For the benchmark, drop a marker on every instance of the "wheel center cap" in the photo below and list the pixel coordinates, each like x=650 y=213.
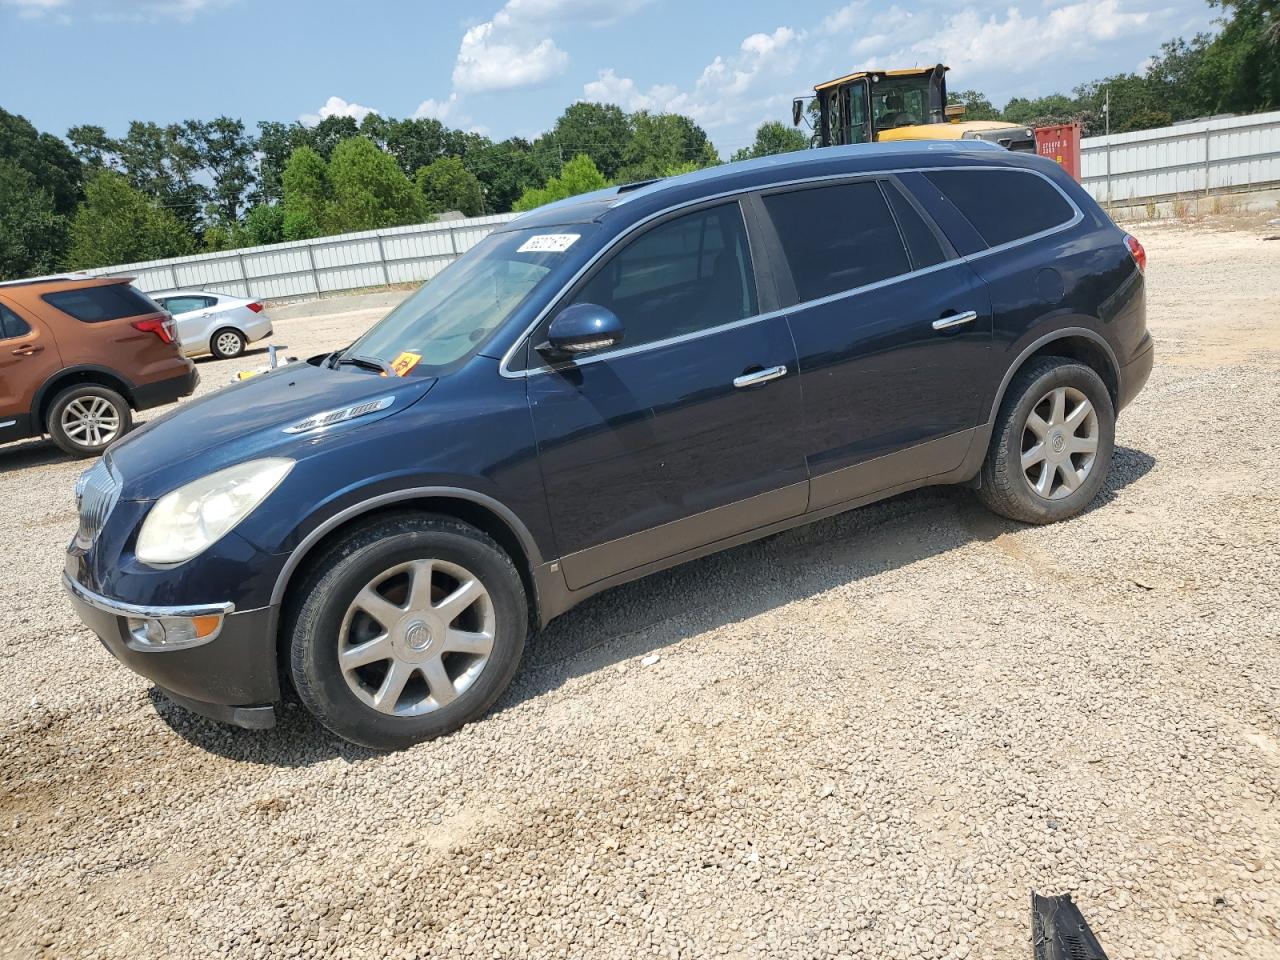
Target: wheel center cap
x=417 y=636
x=1057 y=442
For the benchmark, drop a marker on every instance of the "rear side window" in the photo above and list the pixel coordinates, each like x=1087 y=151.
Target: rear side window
x=687 y=274
x=12 y=325
x=837 y=238
x=186 y=304
x=96 y=304
x=922 y=243
x=1003 y=205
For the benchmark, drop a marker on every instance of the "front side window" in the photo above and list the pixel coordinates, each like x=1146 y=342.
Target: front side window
x=686 y=274
x=900 y=102
x=455 y=313
x=1004 y=205
x=837 y=238
x=12 y=325
x=98 y=304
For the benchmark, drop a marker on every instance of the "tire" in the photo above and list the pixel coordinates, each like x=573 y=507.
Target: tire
x=1057 y=454
x=382 y=561
x=87 y=418
x=227 y=344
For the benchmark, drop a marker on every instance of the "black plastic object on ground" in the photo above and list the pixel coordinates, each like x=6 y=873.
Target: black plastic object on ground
x=1059 y=931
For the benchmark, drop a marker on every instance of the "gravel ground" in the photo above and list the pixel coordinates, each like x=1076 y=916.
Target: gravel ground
x=869 y=737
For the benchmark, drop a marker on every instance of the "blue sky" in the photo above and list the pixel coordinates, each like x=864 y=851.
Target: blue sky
x=510 y=68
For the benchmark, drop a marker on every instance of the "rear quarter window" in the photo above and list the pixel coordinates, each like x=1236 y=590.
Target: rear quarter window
x=98 y=304
x=1004 y=205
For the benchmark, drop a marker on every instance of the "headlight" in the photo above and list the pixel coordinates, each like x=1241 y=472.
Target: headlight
x=193 y=518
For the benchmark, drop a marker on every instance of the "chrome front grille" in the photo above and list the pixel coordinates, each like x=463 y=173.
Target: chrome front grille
x=96 y=493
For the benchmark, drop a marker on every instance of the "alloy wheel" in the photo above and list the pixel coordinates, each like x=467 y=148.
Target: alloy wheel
x=91 y=421
x=228 y=343
x=1059 y=443
x=416 y=637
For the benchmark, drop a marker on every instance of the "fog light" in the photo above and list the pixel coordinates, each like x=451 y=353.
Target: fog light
x=172 y=633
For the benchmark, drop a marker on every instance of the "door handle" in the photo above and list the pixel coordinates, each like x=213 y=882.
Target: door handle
x=955 y=320
x=29 y=350
x=760 y=376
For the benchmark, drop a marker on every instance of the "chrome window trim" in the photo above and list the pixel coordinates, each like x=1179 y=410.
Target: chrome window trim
x=505 y=371
x=121 y=609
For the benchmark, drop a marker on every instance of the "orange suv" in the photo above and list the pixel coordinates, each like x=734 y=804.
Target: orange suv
x=77 y=356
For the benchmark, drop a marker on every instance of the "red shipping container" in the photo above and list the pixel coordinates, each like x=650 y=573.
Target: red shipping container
x=1061 y=144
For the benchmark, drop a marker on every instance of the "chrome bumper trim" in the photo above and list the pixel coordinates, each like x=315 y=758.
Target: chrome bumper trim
x=121 y=609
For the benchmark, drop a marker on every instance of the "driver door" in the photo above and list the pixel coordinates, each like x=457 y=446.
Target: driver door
x=687 y=433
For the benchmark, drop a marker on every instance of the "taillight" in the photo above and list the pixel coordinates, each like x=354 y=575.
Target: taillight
x=162 y=328
x=1136 y=251
x=255 y=307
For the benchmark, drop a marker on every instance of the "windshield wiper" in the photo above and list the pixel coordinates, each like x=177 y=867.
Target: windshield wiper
x=369 y=363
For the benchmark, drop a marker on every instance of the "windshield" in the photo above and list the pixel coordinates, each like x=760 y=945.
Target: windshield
x=452 y=315
x=900 y=102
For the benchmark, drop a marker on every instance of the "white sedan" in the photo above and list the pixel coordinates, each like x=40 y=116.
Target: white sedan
x=215 y=323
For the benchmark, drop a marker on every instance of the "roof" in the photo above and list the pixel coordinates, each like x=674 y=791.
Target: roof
x=64 y=279
x=848 y=78
x=634 y=201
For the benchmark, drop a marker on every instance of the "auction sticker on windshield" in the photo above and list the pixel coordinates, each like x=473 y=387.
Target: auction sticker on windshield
x=549 y=243
x=405 y=362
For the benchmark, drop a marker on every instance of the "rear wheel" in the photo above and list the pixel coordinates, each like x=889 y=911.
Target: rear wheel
x=227 y=344
x=86 y=418
x=1052 y=444
x=409 y=627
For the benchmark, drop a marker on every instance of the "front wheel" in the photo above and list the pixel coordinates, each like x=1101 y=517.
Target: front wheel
x=408 y=628
x=1052 y=443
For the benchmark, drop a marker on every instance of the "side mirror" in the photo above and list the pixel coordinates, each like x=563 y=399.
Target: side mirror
x=797 y=111
x=582 y=328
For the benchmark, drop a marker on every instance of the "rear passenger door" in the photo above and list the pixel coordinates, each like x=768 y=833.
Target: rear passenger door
x=892 y=330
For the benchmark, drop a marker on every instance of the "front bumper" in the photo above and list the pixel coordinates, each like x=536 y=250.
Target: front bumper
x=230 y=677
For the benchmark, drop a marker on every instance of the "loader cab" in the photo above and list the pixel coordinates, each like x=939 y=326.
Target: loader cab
x=863 y=106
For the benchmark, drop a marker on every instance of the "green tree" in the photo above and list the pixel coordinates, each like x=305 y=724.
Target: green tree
x=307 y=195
x=226 y=153
x=579 y=176
x=164 y=163
x=264 y=224
x=370 y=190
x=600 y=131
x=976 y=106
x=93 y=147
x=414 y=143
x=120 y=224
x=276 y=143
x=773 y=138
x=663 y=141
x=506 y=170
x=325 y=136
x=33 y=235
x=46 y=157
x=447 y=185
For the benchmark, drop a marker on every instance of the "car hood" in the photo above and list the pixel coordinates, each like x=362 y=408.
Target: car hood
x=247 y=420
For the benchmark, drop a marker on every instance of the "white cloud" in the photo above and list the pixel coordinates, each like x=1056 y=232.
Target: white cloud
x=436 y=109
x=496 y=57
x=337 y=107
x=737 y=91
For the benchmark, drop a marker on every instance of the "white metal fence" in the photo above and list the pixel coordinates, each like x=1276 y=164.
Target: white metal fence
x=1202 y=156
x=311 y=268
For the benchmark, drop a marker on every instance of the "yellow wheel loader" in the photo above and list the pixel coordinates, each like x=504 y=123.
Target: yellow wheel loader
x=876 y=105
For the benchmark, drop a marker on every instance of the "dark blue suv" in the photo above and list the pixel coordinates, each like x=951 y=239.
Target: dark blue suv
x=602 y=388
